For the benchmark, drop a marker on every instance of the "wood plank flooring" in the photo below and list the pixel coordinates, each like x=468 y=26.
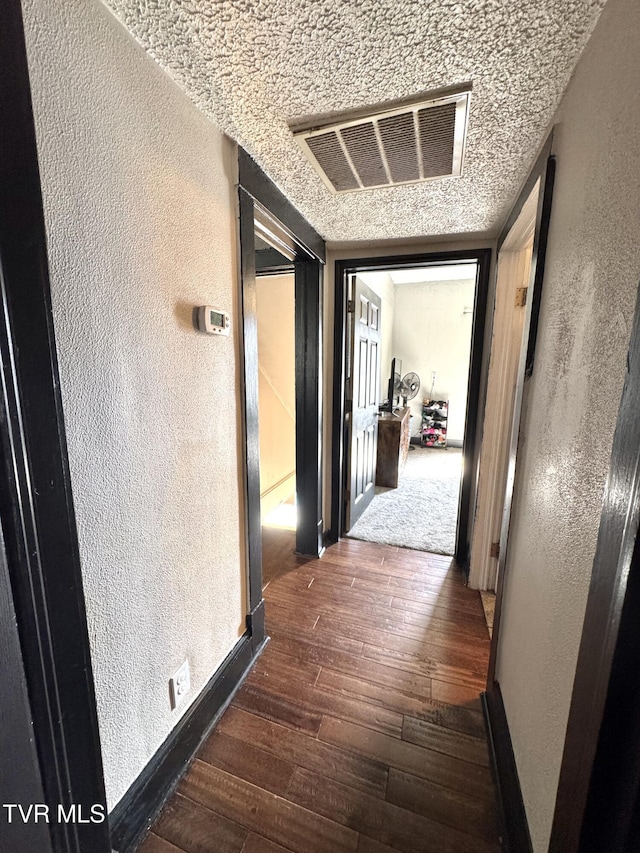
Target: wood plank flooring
x=359 y=728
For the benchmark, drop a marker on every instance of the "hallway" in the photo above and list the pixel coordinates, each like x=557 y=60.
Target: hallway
x=360 y=727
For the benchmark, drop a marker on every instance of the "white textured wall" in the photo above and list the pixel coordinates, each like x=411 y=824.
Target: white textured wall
x=592 y=273
x=432 y=332
x=139 y=205
x=275 y=298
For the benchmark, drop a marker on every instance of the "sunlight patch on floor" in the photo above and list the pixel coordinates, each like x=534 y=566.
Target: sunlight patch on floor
x=489 y=606
x=283 y=516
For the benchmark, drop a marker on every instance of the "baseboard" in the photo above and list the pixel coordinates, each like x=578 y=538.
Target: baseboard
x=513 y=817
x=136 y=811
x=256 y=626
x=329 y=537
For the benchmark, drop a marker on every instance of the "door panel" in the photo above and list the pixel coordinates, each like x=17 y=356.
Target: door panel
x=373 y=374
x=361 y=385
x=363 y=419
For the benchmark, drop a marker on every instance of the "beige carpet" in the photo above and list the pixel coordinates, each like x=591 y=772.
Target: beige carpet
x=422 y=513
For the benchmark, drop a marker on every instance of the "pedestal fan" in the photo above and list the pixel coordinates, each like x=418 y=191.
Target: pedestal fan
x=409 y=387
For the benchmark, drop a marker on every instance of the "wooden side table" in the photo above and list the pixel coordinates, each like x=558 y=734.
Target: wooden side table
x=393 y=446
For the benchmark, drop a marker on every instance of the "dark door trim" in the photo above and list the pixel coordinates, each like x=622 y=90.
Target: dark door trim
x=308 y=311
x=262 y=189
x=597 y=798
x=36 y=505
x=475 y=397
x=255 y=186
x=23 y=783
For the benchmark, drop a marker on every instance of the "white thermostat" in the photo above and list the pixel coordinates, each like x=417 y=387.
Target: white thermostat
x=213 y=321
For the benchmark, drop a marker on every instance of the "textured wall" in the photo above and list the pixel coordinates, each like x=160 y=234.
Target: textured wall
x=592 y=273
x=139 y=204
x=432 y=332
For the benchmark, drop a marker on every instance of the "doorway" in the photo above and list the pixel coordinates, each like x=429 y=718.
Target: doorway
x=275 y=318
x=277 y=399
x=422 y=382
x=431 y=321
x=536 y=197
x=504 y=405
x=276 y=240
x=521 y=256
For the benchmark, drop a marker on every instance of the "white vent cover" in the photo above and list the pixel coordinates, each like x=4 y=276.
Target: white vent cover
x=401 y=144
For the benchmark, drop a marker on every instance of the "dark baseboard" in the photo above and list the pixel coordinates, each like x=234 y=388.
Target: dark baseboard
x=329 y=537
x=136 y=811
x=256 y=627
x=513 y=817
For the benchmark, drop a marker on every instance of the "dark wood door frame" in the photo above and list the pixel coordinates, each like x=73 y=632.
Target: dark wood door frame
x=308 y=311
x=597 y=806
x=256 y=187
x=36 y=505
x=475 y=396
x=22 y=783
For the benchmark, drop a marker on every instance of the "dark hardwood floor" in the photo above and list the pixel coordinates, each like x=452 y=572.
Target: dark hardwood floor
x=359 y=728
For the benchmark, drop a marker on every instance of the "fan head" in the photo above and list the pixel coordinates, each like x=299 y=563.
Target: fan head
x=397 y=384
x=410 y=385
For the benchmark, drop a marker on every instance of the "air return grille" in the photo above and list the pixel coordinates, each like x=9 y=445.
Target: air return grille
x=404 y=144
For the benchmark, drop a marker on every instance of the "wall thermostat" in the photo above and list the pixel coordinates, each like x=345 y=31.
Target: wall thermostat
x=213 y=321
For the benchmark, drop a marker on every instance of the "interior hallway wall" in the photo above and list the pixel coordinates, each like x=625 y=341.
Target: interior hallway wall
x=591 y=279
x=139 y=205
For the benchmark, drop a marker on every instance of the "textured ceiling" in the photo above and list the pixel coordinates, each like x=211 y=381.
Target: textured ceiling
x=254 y=66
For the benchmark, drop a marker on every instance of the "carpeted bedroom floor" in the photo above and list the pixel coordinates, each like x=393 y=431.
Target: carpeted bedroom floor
x=422 y=513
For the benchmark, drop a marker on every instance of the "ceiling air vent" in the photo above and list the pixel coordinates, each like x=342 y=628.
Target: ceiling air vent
x=400 y=143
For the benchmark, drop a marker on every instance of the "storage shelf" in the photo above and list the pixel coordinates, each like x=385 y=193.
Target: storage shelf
x=435 y=416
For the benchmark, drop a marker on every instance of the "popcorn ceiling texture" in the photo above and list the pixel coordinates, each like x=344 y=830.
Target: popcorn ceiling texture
x=138 y=193
x=253 y=66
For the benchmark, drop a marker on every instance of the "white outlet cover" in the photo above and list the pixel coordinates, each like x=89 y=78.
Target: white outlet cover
x=179 y=685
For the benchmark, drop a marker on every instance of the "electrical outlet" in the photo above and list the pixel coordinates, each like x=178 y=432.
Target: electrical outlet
x=179 y=685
